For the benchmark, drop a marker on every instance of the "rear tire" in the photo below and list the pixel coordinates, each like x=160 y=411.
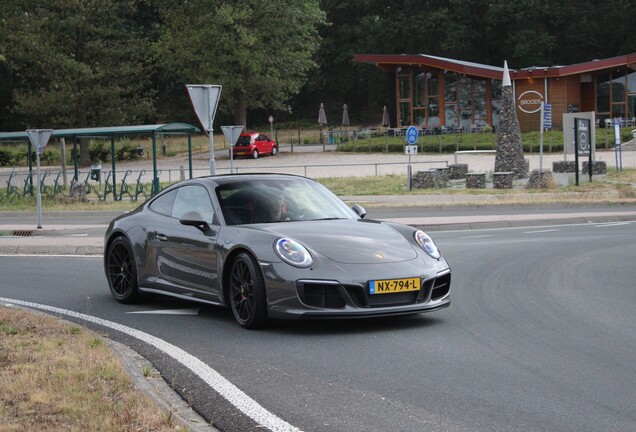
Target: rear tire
x=121 y=271
x=247 y=297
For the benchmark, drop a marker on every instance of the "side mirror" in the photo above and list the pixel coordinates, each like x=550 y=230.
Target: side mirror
x=193 y=218
x=360 y=211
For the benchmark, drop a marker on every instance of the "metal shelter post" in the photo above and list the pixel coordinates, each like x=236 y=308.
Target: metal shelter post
x=190 y=154
x=75 y=161
x=112 y=158
x=155 y=180
x=30 y=158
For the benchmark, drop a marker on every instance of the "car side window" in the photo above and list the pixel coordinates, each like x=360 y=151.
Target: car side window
x=193 y=198
x=163 y=204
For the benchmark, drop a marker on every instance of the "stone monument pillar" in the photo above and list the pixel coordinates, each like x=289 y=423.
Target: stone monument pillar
x=509 y=156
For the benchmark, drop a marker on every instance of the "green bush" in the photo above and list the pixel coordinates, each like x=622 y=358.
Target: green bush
x=127 y=152
x=99 y=152
x=5 y=158
x=50 y=157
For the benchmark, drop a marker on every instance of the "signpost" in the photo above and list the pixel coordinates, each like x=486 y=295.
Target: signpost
x=232 y=134
x=618 y=151
x=205 y=99
x=39 y=139
x=411 y=138
x=546 y=123
x=271 y=126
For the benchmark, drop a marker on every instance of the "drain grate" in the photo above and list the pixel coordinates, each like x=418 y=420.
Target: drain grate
x=23 y=233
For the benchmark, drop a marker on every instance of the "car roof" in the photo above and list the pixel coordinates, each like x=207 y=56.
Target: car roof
x=248 y=177
x=222 y=179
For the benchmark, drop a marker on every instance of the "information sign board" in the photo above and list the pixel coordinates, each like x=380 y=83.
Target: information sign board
x=547 y=116
x=583 y=142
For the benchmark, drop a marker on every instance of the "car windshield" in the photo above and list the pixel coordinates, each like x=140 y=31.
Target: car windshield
x=280 y=200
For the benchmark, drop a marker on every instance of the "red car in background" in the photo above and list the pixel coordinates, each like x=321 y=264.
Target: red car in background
x=254 y=144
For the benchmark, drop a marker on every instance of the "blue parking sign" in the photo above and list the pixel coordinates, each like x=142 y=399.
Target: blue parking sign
x=411 y=135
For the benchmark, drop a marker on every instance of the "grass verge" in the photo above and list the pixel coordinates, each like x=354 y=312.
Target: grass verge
x=56 y=376
x=614 y=187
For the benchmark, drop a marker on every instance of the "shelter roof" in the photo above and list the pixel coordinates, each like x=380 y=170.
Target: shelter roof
x=108 y=132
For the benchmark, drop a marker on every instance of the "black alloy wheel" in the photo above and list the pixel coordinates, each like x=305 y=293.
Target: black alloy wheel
x=247 y=292
x=121 y=271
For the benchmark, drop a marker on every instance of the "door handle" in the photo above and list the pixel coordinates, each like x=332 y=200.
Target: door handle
x=161 y=237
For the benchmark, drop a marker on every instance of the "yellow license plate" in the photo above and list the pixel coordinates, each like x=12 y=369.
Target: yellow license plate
x=388 y=286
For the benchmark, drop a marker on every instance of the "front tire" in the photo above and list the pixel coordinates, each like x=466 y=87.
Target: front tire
x=255 y=154
x=121 y=271
x=247 y=292
x=274 y=151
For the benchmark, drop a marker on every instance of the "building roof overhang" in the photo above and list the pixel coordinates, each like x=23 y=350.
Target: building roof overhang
x=390 y=61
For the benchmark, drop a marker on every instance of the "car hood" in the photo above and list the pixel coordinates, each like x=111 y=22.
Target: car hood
x=348 y=241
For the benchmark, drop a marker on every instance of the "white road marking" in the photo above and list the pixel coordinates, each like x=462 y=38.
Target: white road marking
x=168 y=312
x=540 y=231
x=516 y=228
x=216 y=381
x=610 y=224
x=43 y=255
x=476 y=237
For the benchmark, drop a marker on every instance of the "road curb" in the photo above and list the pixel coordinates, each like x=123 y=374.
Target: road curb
x=154 y=386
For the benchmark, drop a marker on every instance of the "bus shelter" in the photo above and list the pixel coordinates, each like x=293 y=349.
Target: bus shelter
x=111 y=133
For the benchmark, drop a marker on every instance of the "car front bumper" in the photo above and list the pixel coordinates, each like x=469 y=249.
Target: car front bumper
x=347 y=296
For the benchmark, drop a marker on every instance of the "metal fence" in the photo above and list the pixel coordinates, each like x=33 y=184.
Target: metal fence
x=133 y=183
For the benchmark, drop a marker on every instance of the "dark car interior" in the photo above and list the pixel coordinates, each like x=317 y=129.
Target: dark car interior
x=247 y=205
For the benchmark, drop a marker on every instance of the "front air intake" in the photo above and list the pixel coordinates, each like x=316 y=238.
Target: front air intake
x=441 y=287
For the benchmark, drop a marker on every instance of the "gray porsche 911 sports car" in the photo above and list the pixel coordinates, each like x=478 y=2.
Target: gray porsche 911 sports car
x=272 y=246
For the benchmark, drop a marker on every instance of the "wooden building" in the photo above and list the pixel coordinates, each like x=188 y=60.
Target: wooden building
x=444 y=94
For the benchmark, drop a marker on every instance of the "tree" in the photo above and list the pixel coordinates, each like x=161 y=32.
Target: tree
x=260 y=52
x=77 y=63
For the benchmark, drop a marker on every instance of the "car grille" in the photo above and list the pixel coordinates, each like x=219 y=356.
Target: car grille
x=321 y=295
x=335 y=296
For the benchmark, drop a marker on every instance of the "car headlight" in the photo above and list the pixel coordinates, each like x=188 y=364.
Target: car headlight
x=293 y=253
x=426 y=243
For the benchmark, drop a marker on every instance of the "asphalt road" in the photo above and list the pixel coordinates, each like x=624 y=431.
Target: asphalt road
x=374 y=211
x=539 y=337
